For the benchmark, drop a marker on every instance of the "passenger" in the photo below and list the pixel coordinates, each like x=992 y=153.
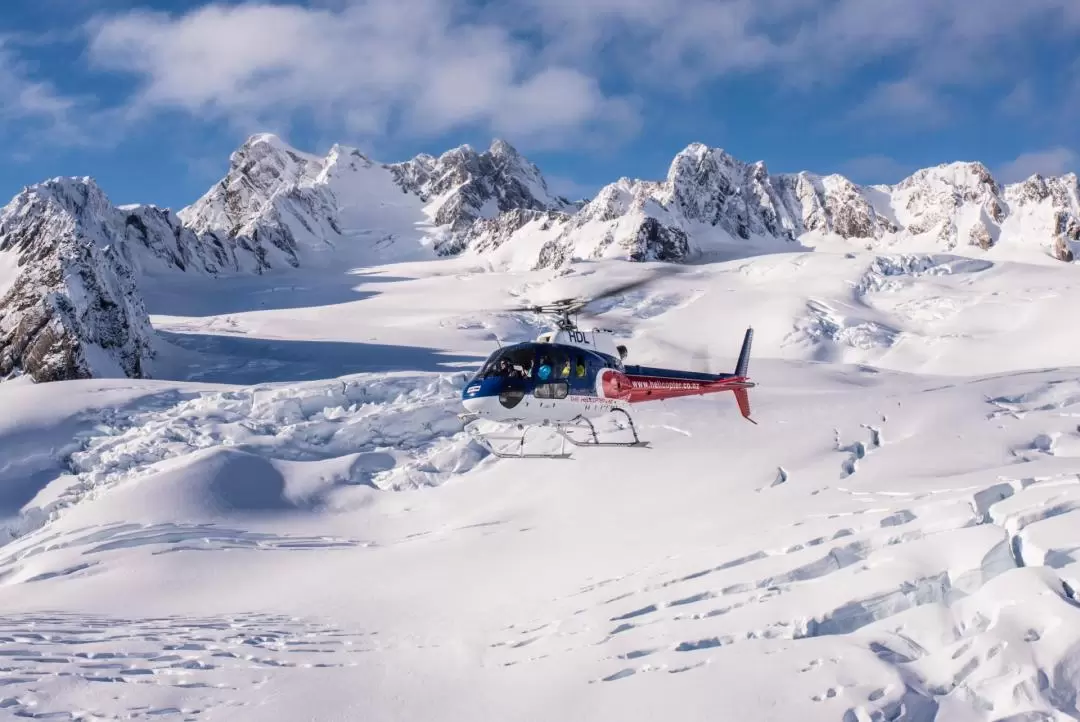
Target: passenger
x=566 y=369
x=544 y=371
x=580 y=367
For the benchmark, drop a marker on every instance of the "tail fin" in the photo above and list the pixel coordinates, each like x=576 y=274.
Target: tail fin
x=742 y=367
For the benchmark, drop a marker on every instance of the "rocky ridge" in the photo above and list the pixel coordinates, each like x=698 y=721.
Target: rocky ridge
x=74 y=310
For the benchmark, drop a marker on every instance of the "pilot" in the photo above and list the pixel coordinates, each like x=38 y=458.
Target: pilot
x=580 y=367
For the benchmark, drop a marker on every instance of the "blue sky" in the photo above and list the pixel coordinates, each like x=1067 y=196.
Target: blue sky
x=151 y=97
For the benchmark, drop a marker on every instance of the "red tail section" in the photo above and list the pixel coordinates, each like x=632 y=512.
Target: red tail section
x=654 y=384
x=743 y=397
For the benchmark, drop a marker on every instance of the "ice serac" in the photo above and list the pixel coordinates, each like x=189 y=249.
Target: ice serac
x=72 y=309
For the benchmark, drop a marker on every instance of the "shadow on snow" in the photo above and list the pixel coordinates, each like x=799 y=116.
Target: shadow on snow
x=273 y=291
x=247 y=361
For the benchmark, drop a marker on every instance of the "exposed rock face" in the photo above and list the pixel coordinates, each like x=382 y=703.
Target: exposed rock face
x=487 y=234
x=269 y=196
x=464 y=186
x=73 y=311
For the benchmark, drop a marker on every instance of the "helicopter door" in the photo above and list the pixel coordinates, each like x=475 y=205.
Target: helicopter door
x=552 y=375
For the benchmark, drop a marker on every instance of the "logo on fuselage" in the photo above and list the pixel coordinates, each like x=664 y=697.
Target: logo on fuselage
x=613 y=384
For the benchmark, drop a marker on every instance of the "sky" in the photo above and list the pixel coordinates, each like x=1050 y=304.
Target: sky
x=151 y=97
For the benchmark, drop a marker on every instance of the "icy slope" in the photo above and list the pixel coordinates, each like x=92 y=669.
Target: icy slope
x=933 y=313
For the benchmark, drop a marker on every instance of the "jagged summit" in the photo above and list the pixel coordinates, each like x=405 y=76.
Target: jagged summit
x=74 y=310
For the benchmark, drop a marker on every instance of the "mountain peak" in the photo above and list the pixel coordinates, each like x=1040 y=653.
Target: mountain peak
x=500 y=148
x=271 y=139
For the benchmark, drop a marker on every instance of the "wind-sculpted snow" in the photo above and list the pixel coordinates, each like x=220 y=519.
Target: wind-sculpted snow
x=181 y=656
x=398 y=431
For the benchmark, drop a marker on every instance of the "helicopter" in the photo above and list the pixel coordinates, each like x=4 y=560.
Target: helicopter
x=569 y=377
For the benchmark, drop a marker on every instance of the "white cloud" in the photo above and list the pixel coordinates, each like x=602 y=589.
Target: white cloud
x=934 y=45
x=1020 y=100
x=36 y=103
x=541 y=73
x=376 y=67
x=1050 y=162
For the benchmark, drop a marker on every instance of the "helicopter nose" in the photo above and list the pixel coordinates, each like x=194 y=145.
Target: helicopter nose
x=476 y=405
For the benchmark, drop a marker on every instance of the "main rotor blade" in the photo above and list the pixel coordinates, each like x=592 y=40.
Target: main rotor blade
x=573 y=306
x=656 y=275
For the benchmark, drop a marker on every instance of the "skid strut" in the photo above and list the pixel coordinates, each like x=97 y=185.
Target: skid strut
x=595 y=439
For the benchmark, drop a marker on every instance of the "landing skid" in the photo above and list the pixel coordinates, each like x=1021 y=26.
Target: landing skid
x=518 y=441
x=594 y=439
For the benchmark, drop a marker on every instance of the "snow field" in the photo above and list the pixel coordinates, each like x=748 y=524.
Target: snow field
x=885 y=545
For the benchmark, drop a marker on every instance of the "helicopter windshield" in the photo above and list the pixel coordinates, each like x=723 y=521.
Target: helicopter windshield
x=513 y=362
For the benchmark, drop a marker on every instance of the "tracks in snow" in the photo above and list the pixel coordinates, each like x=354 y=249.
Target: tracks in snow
x=211 y=664
x=916 y=583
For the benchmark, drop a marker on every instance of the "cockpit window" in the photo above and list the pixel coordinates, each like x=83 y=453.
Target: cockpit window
x=510 y=363
x=541 y=362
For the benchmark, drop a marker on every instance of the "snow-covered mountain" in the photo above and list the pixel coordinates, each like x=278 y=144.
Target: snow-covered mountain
x=711 y=201
x=70 y=270
x=293 y=200
x=496 y=203
x=69 y=305
x=279 y=208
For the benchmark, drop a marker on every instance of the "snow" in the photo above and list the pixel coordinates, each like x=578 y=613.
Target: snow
x=289 y=523
x=9 y=270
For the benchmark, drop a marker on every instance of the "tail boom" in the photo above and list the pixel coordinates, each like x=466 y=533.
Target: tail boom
x=656 y=384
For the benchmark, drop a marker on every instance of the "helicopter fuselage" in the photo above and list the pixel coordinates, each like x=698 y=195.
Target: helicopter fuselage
x=564 y=375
